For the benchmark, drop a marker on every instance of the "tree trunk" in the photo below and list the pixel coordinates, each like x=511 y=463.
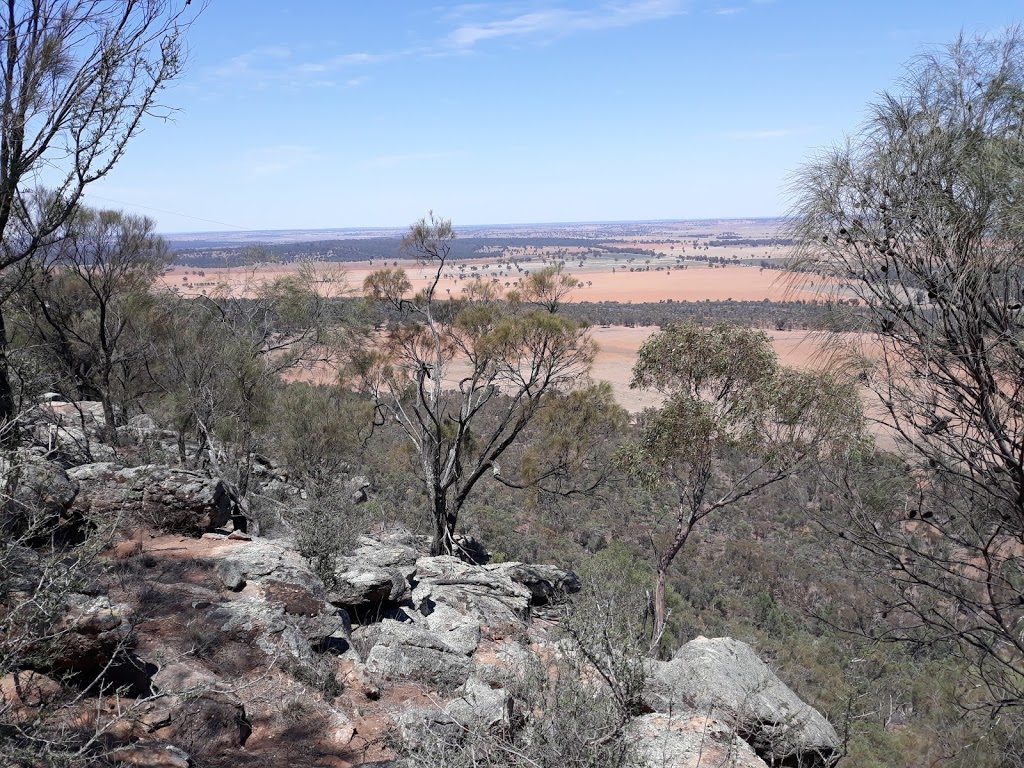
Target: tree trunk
x=660 y=603
x=108 y=408
x=661 y=578
x=444 y=528
x=8 y=418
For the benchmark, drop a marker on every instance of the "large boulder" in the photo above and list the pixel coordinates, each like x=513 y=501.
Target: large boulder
x=725 y=676
x=362 y=589
x=374 y=577
x=404 y=651
x=39 y=494
x=167 y=498
x=687 y=740
x=283 y=607
x=262 y=560
x=490 y=597
x=547 y=583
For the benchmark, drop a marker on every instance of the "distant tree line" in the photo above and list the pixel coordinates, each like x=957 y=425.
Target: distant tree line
x=779 y=316
x=383 y=248
x=754 y=242
x=788 y=315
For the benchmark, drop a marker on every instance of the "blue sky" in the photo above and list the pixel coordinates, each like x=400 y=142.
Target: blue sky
x=332 y=113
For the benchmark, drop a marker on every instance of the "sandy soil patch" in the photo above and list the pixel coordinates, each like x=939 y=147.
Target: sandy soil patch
x=601 y=281
x=797 y=349
x=618 y=347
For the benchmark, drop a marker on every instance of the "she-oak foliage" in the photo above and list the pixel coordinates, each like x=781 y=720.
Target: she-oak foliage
x=919 y=215
x=465 y=377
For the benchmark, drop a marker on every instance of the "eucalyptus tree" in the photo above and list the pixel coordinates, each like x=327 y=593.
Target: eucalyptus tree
x=218 y=362
x=78 y=79
x=734 y=422
x=84 y=304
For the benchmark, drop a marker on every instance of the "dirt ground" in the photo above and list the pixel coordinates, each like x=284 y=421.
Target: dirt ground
x=614 y=364
x=603 y=280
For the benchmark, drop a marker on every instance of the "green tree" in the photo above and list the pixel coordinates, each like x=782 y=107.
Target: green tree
x=918 y=214
x=85 y=299
x=79 y=77
x=734 y=423
x=218 y=362
x=464 y=378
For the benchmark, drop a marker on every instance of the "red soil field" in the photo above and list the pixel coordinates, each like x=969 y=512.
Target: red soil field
x=618 y=344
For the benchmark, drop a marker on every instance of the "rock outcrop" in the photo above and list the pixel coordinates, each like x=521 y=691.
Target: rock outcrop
x=218 y=648
x=688 y=740
x=724 y=677
x=166 y=498
x=38 y=495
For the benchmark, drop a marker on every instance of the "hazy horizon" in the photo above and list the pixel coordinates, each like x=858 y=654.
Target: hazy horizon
x=338 y=115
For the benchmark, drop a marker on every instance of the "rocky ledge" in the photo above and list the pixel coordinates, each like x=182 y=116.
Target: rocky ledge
x=224 y=648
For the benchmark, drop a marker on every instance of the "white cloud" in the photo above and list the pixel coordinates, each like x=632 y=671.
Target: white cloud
x=343 y=60
x=250 y=62
x=264 y=68
x=562 y=21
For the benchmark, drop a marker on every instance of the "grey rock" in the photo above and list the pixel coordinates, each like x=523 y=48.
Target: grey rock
x=479 y=704
x=726 y=676
x=489 y=597
x=165 y=497
x=547 y=584
x=231 y=573
x=91 y=632
x=22 y=567
x=404 y=651
x=143 y=421
x=422 y=728
x=385 y=552
x=357 y=488
x=36 y=490
x=74 y=429
x=284 y=575
x=283 y=607
x=261 y=558
x=357 y=586
x=685 y=739
x=150 y=756
x=459 y=632
x=267 y=626
x=377 y=574
x=140 y=428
